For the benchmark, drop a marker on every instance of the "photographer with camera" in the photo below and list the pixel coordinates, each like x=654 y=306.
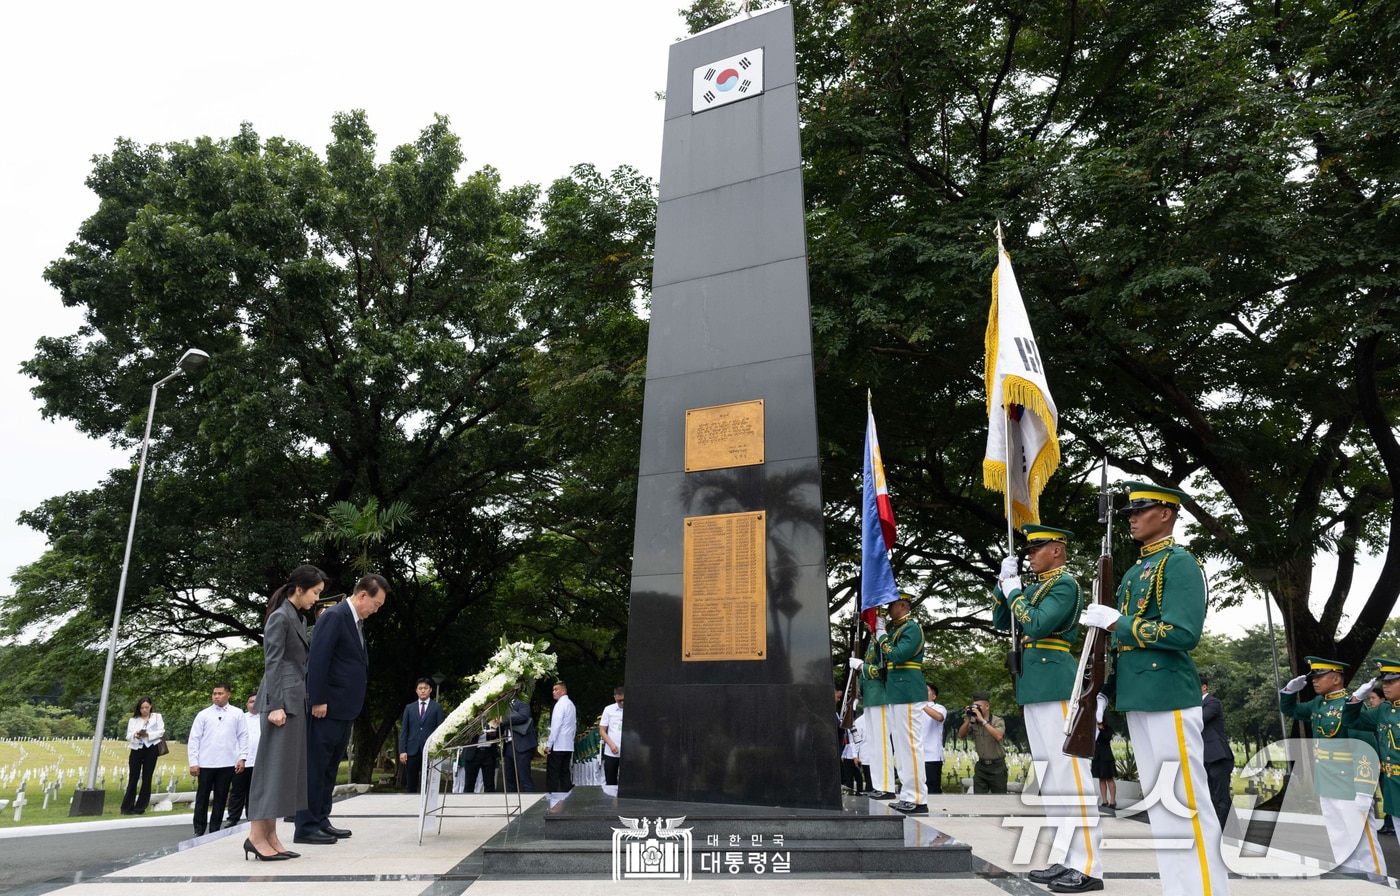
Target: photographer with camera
x=987 y=731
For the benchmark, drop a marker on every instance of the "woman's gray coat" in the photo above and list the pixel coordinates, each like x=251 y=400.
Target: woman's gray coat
x=279 y=777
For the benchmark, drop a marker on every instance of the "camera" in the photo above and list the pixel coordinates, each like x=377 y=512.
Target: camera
x=970 y=713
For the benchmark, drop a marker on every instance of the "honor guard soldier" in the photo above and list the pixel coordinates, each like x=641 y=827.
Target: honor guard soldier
x=906 y=692
x=1161 y=610
x=1384 y=720
x=1047 y=609
x=1344 y=770
x=875 y=742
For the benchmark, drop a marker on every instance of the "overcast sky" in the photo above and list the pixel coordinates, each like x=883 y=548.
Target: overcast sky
x=532 y=88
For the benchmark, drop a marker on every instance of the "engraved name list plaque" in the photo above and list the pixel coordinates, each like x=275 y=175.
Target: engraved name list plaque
x=725 y=593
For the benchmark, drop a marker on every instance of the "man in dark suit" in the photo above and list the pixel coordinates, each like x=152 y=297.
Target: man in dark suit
x=1219 y=758
x=481 y=759
x=337 y=673
x=524 y=740
x=420 y=719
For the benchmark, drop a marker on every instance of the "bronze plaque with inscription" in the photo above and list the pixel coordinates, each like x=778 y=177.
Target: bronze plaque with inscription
x=726 y=435
x=724 y=588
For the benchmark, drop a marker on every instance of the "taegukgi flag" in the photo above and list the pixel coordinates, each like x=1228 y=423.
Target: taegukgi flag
x=877 y=534
x=727 y=80
x=1018 y=402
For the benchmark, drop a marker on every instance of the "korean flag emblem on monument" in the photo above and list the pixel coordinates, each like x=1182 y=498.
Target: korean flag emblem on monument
x=727 y=81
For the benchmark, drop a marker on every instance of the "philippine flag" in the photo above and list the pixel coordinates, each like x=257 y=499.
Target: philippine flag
x=877 y=586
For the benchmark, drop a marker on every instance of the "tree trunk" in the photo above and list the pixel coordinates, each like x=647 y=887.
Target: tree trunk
x=365 y=742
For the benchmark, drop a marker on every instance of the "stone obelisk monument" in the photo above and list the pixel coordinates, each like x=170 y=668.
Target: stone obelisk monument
x=729 y=673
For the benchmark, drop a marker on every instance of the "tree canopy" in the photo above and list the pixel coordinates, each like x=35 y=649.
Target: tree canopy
x=440 y=377
x=1200 y=200
x=398 y=357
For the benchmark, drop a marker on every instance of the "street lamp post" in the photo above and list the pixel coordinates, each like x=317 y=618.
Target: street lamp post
x=89 y=801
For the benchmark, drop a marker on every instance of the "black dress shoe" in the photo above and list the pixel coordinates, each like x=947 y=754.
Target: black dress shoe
x=880 y=795
x=1045 y=875
x=314 y=837
x=339 y=833
x=1387 y=829
x=910 y=808
x=1075 y=882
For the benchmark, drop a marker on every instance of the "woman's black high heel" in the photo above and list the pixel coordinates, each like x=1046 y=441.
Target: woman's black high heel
x=291 y=855
x=248 y=848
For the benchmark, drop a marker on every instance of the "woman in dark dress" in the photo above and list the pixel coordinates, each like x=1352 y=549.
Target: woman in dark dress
x=279 y=787
x=1104 y=767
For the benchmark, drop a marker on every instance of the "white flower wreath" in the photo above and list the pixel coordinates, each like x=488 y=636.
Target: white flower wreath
x=514 y=664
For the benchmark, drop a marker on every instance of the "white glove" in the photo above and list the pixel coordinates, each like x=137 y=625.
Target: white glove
x=1102 y=708
x=1363 y=803
x=1100 y=616
x=1360 y=693
x=856 y=663
x=879 y=625
x=1010 y=584
x=1295 y=685
x=1009 y=568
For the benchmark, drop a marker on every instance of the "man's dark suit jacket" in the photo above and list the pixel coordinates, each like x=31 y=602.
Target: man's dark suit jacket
x=338 y=669
x=413 y=732
x=522 y=727
x=1213 y=716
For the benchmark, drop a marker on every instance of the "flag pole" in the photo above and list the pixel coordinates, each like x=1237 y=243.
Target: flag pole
x=1010 y=525
x=1013 y=657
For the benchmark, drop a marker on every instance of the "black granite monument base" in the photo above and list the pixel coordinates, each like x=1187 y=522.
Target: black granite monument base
x=585 y=836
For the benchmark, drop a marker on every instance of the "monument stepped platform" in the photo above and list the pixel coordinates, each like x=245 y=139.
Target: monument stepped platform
x=574 y=838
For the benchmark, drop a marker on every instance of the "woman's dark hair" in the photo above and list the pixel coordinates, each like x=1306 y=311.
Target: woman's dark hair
x=137 y=710
x=304 y=576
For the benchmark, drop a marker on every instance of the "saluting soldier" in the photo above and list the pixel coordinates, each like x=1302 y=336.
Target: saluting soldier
x=875 y=736
x=1384 y=720
x=1047 y=610
x=906 y=691
x=1161 y=610
x=1344 y=772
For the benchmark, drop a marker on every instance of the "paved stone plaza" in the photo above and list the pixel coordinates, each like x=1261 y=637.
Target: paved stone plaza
x=384 y=857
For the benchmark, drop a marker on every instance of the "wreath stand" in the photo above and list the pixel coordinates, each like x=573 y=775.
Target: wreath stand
x=436 y=802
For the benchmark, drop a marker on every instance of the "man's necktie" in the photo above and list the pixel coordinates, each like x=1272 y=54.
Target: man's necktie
x=422 y=709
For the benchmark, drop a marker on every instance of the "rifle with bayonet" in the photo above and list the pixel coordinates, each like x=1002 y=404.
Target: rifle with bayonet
x=848 y=700
x=1081 y=728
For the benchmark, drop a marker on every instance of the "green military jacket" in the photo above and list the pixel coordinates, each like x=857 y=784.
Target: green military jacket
x=872 y=678
x=902 y=648
x=1342 y=767
x=1049 y=619
x=1163 y=601
x=1384 y=720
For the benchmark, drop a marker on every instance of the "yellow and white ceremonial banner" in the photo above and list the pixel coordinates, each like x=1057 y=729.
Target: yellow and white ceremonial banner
x=1018 y=398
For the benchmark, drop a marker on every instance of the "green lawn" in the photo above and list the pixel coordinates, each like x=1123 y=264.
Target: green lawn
x=36 y=761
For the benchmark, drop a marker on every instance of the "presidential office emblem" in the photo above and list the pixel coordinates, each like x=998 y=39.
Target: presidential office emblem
x=639 y=853
x=727 y=81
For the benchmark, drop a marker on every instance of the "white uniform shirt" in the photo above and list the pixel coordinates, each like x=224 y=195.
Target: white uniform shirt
x=848 y=745
x=612 y=724
x=253 y=721
x=933 y=733
x=563 y=725
x=154 y=726
x=218 y=737
x=867 y=745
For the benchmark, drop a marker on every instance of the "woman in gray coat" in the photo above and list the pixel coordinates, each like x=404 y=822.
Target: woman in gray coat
x=279 y=788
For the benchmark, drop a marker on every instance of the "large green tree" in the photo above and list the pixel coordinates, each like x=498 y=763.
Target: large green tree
x=377 y=333
x=1200 y=200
